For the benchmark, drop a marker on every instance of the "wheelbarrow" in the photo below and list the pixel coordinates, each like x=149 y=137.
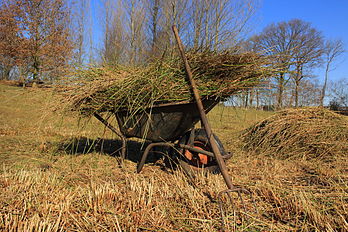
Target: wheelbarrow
x=165 y=123
x=171 y=125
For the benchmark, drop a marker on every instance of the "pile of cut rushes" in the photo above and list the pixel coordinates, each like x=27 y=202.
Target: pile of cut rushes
x=305 y=133
x=135 y=89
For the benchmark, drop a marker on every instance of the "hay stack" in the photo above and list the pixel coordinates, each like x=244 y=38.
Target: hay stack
x=111 y=89
x=305 y=133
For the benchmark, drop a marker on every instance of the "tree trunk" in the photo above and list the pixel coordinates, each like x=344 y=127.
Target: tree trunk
x=6 y=73
x=36 y=70
x=246 y=97
x=154 y=23
x=322 y=96
x=251 y=97
x=297 y=83
x=133 y=48
x=280 y=91
x=198 y=16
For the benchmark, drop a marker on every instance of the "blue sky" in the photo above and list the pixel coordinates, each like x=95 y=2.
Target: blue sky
x=328 y=16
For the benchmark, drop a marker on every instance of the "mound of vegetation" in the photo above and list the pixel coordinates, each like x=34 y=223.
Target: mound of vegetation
x=306 y=133
x=218 y=75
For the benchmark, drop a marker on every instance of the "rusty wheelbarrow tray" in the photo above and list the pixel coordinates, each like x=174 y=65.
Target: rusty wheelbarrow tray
x=163 y=122
x=170 y=125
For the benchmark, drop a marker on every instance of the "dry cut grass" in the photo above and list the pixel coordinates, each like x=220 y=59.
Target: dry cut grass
x=43 y=188
x=116 y=88
x=300 y=133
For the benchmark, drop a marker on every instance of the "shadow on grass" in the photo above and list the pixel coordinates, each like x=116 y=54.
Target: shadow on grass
x=110 y=147
x=135 y=149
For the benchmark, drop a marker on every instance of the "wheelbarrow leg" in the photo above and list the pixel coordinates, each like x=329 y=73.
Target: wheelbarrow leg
x=118 y=133
x=123 y=149
x=146 y=153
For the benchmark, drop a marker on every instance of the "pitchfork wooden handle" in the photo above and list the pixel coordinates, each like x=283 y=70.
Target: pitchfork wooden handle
x=202 y=114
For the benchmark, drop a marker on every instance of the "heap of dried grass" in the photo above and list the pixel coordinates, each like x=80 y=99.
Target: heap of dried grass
x=111 y=89
x=306 y=133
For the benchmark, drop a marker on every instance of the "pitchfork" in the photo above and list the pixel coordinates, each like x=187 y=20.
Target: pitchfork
x=212 y=141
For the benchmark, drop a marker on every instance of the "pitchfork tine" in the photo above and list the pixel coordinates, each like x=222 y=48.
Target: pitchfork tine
x=239 y=192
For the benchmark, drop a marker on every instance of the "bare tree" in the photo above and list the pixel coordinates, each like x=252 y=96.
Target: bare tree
x=230 y=20
x=219 y=23
x=175 y=13
x=309 y=93
x=115 y=43
x=154 y=8
x=307 y=52
x=136 y=17
x=142 y=29
x=339 y=92
x=333 y=49
x=276 y=42
x=80 y=24
x=158 y=20
x=200 y=19
x=295 y=47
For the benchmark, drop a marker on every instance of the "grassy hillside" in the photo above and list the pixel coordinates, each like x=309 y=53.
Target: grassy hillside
x=48 y=185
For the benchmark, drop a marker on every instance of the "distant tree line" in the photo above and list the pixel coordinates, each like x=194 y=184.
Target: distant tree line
x=137 y=31
x=295 y=49
x=40 y=39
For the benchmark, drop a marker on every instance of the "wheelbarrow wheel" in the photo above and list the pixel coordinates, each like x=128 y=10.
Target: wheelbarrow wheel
x=197 y=162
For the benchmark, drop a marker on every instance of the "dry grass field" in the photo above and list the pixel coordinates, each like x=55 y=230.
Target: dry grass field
x=59 y=173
